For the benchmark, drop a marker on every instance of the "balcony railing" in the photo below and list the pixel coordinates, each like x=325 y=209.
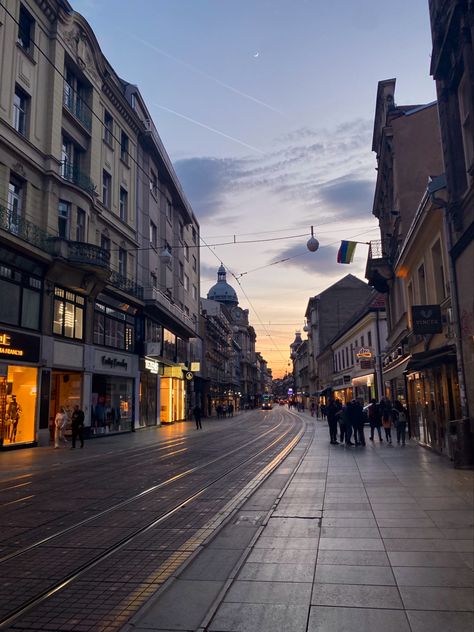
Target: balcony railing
x=153 y=295
x=78 y=109
x=125 y=284
x=26 y=230
x=87 y=254
x=73 y=174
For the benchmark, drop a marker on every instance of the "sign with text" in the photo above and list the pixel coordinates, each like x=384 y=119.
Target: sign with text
x=18 y=347
x=426 y=319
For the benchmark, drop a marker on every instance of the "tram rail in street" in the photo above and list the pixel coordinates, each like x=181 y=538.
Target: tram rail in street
x=276 y=439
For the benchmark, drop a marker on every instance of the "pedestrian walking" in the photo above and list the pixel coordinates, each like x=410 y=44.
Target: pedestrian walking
x=197 y=416
x=77 y=426
x=230 y=410
x=60 y=422
x=400 y=418
x=312 y=409
x=357 y=418
x=375 y=419
x=331 y=412
x=387 y=418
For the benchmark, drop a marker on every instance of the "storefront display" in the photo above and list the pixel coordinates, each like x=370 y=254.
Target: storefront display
x=18 y=396
x=111 y=404
x=172 y=395
x=66 y=388
x=148 y=395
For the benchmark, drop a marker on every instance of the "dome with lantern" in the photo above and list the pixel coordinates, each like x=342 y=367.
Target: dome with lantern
x=222 y=292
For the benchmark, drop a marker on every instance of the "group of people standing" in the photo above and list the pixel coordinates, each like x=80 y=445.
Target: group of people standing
x=351 y=418
x=77 y=427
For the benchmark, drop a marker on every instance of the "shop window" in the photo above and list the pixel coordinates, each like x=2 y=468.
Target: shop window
x=112 y=404
x=153 y=332
x=113 y=327
x=18 y=396
x=21 y=298
x=68 y=317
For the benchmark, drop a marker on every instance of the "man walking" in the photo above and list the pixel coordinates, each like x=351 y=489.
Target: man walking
x=197 y=416
x=331 y=413
x=77 y=426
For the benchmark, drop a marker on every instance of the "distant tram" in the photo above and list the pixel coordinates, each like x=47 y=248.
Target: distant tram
x=267 y=402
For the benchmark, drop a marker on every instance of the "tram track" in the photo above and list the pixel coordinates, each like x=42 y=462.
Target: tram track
x=280 y=439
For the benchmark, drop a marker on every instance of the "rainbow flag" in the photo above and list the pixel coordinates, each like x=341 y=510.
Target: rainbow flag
x=346 y=251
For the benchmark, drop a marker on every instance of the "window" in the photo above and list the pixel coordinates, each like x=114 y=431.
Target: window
x=195 y=292
x=15 y=197
x=122 y=262
x=465 y=117
x=186 y=282
x=422 y=285
x=68 y=317
x=154 y=280
x=76 y=97
x=352 y=354
x=369 y=338
x=20 y=111
x=105 y=242
x=26 y=27
x=108 y=128
x=362 y=341
x=21 y=298
x=194 y=234
x=194 y=264
x=71 y=161
x=356 y=346
x=181 y=230
x=81 y=225
x=153 y=234
x=347 y=356
x=106 y=189
x=335 y=363
x=169 y=211
x=114 y=326
x=181 y=272
x=153 y=182
x=438 y=269
x=186 y=252
x=123 y=204
x=64 y=214
x=124 y=147
x=169 y=345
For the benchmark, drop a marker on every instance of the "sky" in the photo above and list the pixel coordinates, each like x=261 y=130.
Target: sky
x=266 y=109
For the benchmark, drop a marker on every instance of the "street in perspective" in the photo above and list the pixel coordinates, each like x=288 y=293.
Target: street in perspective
x=236 y=316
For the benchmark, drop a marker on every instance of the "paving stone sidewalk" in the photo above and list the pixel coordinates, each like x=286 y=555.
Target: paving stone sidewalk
x=361 y=540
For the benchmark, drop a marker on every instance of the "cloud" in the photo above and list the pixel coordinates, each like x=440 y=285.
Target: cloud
x=315 y=170
x=349 y=196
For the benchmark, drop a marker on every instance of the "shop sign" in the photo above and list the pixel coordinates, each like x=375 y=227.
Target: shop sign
x=364 y=353
x=426 y=319
x=173 y=371
x=195 y=367
x=152 y=365
x=338 y=382
x=366 y=364
x=17 y=346
x=114 y=363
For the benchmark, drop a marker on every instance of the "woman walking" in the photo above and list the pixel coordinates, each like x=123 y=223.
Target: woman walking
x=400 y=416
x=60 y=422
x=387 y=417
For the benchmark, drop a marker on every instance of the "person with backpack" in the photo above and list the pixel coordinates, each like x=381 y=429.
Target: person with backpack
x=375 y=419
x=400 y=418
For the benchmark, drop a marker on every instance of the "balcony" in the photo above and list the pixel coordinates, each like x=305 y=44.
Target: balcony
x=153 y=295
x=130 y=286
x=87 y=254
x=22 y=228
x=379 y=269
x=78 y=109
x=73 y=174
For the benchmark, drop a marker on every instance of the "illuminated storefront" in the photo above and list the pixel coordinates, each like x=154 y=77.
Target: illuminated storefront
x=172 y=394
x=18 y=388
x=149 y=392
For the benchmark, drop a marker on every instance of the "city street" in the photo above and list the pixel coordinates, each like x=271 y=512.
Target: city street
x=178 y=529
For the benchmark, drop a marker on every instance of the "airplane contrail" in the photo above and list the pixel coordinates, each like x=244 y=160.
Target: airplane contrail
x=211 y=129
x=205 y=74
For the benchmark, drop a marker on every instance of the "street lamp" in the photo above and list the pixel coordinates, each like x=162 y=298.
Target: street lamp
x=312 y=244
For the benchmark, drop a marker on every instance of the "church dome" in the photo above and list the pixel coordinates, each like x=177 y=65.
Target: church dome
x=222 y=291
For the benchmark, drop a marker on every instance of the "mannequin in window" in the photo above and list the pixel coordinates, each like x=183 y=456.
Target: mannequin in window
x=13 y=412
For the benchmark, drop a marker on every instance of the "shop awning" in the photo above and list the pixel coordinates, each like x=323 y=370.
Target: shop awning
x=426 y=359
x=363 y=380
x=397 y=370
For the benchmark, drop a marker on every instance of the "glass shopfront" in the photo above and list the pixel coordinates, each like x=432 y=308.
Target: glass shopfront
x=172 y=395
x=18 y=397
x=149 y=393
x=66 y=388
x=111 y=404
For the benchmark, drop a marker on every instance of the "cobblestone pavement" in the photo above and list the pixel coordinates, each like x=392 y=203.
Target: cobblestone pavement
x=360 y=540
x=114 y=489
